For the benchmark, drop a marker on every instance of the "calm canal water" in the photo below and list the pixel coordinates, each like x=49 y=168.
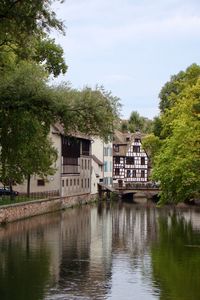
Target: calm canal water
x=112 y=251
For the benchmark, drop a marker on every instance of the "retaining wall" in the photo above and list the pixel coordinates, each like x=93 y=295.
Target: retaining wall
x=17 y=211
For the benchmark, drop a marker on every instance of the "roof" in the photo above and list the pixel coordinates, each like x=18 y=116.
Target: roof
x=59 y=128
x=98 y=161
x=124 y=140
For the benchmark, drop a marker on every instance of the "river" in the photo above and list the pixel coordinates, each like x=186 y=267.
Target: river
x=109 y=251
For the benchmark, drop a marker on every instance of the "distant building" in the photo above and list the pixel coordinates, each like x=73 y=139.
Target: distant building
x=108 y=163
x=130 y=161
x=97 y=164
x=102 y=163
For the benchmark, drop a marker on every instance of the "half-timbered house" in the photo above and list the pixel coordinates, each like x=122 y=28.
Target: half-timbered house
x=130 y=161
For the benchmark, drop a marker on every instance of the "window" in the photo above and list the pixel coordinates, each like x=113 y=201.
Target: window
x=127 y=138
x=136 y=149
x=117 y=159
x=130 y=160
x=88 y=182
x=142 y=173
x=85 y=183
x=137 y=140
x=105 y=151
x=85 y=164
x=40 y=182
x=85 y=147
x=88 y=164
x=70 y=182
x=105 y=166
x=143 y=160
x=63 y=183
x=77 y=181
x=116 y=148
x=117 y=171
x=74 y=181
x=128 y=174
x=133 y=173
x=105 y=180
x=82 y=183
x=66 y=182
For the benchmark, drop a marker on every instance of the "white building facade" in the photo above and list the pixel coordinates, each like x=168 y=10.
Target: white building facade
x=130 y=161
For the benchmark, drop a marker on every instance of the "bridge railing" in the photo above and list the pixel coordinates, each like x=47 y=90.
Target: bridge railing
x=137 y=186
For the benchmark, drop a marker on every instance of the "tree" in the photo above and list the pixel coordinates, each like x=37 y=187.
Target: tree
x=124 y=126
x=22 y=19
x=151 y=144
x=137 y=122
x=178 y=163
x=157 y=126
x=176 y=85
x=92 y=112
x=26 y=149
x=27 y=57
x=24 y=28
x=50 y=54
x=28 y=106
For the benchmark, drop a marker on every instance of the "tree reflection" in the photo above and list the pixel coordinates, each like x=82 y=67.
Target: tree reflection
x=23 y=272
x=176 y=259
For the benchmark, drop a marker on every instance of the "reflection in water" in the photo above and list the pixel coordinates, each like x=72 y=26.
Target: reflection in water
x=176 y=258
x=119 y=251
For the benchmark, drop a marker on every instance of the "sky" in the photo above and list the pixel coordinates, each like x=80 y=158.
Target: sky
x=131 y=47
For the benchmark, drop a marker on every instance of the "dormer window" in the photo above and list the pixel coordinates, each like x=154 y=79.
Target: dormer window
x=137 y=140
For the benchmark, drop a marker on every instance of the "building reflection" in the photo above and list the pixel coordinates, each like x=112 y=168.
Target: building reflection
x=83 y=253
x=85 y=262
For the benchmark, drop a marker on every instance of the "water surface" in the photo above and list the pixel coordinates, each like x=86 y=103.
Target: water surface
x=110 y=251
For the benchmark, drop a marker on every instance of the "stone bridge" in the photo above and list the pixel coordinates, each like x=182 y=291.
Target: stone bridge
x=147 y=190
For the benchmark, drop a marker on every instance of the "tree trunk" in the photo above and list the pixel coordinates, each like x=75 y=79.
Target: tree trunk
x=11 y=189
x=28 y=185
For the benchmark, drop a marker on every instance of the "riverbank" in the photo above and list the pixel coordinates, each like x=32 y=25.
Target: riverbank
x=23 y=210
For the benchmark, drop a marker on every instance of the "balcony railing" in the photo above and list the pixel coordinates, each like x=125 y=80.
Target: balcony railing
x=70 y=169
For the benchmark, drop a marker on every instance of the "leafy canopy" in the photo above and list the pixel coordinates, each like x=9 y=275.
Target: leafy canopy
x=178 y=163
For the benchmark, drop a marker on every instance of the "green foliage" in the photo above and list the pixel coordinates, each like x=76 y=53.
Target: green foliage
x=26 y=149
x=178 y=163
x=83 y=110
x=124 y=126
x=176 y=85
x=28 y=106
x=47 y=52
x=157 y=126
x=139 y=123
x=25 y=18
x=151 y=144
x=24 y=27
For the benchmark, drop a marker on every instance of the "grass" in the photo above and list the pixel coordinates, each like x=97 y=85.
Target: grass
x=6 y=200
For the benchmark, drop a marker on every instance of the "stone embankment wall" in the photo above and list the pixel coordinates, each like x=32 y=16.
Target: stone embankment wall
x=17 y=211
